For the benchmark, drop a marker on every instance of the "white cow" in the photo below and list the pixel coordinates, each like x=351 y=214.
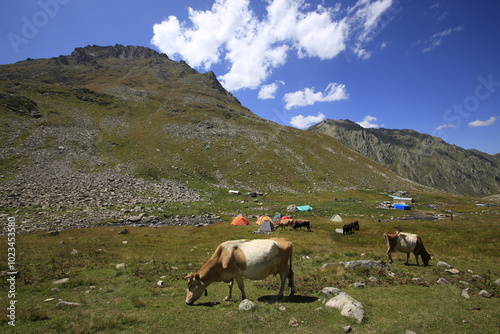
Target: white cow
x=236 y=259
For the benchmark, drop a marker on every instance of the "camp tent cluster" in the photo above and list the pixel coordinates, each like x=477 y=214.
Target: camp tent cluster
x=266 y=223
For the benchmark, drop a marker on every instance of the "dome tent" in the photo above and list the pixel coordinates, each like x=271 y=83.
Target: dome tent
x=240 y=220
x=263 y=219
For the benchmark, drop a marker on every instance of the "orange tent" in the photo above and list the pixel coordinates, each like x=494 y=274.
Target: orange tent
x=262 y=219
x=240 y=220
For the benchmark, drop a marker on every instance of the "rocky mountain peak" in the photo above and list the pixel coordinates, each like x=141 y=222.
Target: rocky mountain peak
x=92 y=52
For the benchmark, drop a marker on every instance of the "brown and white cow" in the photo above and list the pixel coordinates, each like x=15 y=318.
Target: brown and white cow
x=238 y=259
x=283 y=223
x=406 y=243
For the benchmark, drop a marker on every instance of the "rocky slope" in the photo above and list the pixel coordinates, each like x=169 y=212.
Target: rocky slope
x=420 y=157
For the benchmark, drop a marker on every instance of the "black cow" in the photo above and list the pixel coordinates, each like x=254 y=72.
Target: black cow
x=347 y=229
x=302 y=223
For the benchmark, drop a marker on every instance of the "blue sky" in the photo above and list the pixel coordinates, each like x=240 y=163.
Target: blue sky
x=431 y=66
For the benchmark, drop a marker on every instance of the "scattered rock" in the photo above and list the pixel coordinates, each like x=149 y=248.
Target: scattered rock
x=160 y=283
x=121 y=266
x=282 y=308
x=64 y=303
x=124 y=231
x=246 y=305
x=465 y=293
x=53 y=233
x=347 y=329
x=74 y=252
x=293 y=322
x=61 y=281
x=358 y=285
x=484 y=293
x=497 y=282
x=49 y=300
x=444 y=264
x=443 y=281
x=407 y=331
x=452 y=271
x=360 y=263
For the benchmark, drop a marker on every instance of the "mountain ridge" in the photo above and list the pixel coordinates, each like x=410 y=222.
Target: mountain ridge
x=422 y=158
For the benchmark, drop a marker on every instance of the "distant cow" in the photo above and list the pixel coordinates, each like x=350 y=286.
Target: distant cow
x=406 y=243
x=236 y=259
x=284 y=223
x=347 y=229
x=355 y=225
x=299 y=224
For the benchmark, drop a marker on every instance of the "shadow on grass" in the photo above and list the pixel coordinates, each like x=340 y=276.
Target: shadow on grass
x=270 y=299
x=290 y=299
x=209 y=304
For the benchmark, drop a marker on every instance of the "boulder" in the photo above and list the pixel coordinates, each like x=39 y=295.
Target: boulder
x=246 y=305
x=348 y=306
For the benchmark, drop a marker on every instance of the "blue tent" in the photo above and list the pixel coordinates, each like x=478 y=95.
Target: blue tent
x=402 y=206
x=305 y=208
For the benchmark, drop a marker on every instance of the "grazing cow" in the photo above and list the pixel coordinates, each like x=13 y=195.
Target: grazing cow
x=299 y=224
x=236 y=259
x=284 y=223
x=406 y=243
x=347 y=229
x=355 y=225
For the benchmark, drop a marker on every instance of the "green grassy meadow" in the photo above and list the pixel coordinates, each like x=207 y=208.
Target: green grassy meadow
x=129 y=300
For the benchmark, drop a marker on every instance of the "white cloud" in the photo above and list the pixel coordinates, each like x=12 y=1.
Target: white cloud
x=435 y=40
x=488 y=122
x=269 y=91
x=303 y=122
x=306 y=97
x=252 y=45
x=445 y=126
x=368 y=122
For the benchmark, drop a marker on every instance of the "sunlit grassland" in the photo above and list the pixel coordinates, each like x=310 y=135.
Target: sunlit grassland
x=129 y=300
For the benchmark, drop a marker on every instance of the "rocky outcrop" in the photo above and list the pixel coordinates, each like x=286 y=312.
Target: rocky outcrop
x=90 y=53
x=20 y=105
x=420 y=157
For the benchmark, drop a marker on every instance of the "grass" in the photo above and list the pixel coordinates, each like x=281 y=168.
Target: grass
x=129 y=300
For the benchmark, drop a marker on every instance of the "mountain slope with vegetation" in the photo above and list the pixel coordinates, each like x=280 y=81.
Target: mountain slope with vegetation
x=420 y=157
x=80 y=130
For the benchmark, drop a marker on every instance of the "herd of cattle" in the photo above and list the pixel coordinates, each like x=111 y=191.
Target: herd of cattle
x=260 y=258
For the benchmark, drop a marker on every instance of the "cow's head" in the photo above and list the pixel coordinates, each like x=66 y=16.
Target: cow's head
x=195 y=289
x=426 y=258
